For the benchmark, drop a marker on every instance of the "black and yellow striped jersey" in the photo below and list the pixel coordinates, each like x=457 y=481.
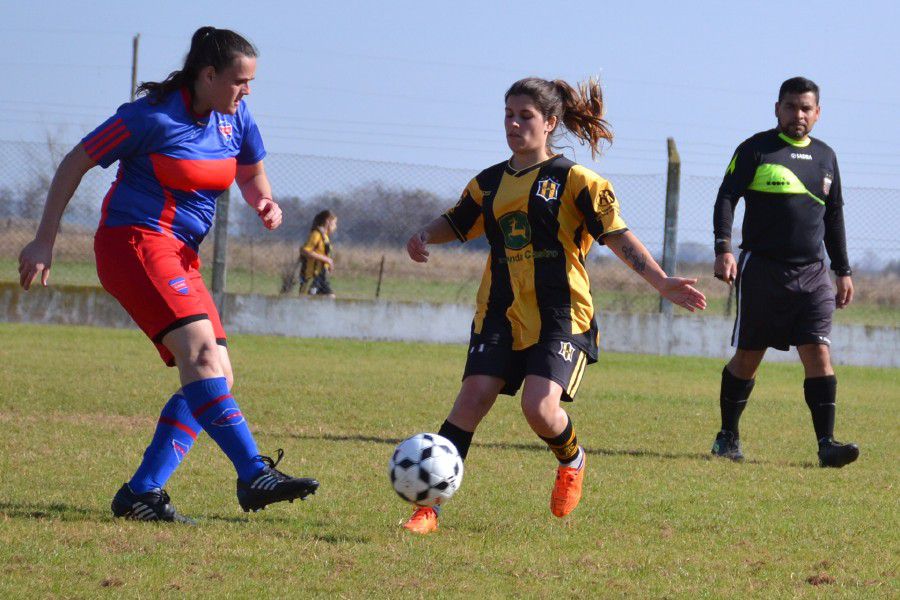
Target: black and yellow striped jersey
x=540 y=223
x=319 y=243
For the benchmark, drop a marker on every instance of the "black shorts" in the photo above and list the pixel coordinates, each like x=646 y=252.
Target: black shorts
x=781 y=305
x=316 y=285
x=557 y=360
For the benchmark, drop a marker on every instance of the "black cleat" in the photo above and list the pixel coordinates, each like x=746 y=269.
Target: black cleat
x=835 y=454
x=727 y=446
x=154 y=505
x=272 y=486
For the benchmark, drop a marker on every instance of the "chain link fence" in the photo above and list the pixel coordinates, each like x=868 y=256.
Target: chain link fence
x=380 y=204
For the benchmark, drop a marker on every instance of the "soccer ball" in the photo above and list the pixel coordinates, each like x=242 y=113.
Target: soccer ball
x=426 y=469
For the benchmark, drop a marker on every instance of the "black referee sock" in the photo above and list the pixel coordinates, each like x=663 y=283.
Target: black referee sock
x=821 y=393
x=733 y=399
x=461 y=438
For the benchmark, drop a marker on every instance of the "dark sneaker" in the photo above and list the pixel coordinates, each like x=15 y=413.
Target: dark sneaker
x=272 y=486
x=835 y=454
x=727 y=446
x=154 y=505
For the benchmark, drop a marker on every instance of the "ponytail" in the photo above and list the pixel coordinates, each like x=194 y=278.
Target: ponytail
x=579 y=110
x=210 y=47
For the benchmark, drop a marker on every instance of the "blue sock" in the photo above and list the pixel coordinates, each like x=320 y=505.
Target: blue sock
x=175 y=434
x=217 y=412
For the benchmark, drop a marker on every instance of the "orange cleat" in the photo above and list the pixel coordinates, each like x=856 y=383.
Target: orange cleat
x=567 y=489
x=423 y=521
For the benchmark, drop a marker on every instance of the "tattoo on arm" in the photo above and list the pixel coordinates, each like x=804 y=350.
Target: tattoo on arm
x=638 y=262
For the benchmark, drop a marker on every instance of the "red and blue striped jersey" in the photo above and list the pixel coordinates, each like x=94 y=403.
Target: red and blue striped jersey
x=173 y=164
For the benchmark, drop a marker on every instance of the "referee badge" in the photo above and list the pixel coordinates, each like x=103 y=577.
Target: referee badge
x=826 y=183
x=547 y=189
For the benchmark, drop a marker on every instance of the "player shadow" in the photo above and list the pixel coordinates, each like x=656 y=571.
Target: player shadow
x=535 y=447
x=56 y=511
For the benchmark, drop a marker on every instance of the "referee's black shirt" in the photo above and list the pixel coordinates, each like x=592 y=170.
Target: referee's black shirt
x=793 y=201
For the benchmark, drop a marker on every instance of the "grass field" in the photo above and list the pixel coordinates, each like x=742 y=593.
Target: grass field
x=658 y=519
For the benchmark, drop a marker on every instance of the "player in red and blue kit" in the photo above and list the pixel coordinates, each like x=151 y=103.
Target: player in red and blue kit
x=178 y=147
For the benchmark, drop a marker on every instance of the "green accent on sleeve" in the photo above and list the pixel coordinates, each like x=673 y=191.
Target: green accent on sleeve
x=732 y=165
x=777 y=179
x=793 y=142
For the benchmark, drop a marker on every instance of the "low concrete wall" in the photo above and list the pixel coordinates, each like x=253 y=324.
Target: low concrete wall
x=686 y=335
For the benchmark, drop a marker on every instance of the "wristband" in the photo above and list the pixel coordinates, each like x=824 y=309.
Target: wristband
x=723 y=246
x=843 y=271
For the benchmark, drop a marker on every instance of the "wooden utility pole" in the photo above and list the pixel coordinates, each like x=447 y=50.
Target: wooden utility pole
x=134 y=61
x=670 y=235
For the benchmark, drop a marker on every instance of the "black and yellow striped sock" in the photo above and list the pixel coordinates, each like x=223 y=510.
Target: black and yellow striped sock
x=565 y=445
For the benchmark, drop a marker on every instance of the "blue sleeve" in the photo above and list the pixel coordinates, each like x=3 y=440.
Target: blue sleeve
x=252 y=148
x=126 y=133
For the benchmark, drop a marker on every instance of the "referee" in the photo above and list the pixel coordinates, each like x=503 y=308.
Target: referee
x=792 y=189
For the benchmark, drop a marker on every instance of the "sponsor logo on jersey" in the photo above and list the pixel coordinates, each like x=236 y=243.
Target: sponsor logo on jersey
x=229 y=418
x=180 y=449
x=801 y=156
x=516 y=230
x=179 y=284
x=547 y=189
x=566 y=350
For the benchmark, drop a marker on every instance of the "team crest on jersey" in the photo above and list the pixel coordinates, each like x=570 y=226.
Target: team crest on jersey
x=566 y=350
x=606 y=202
x=179 y=284
x=826 y=184
x=547 y=189
x=225 y=129
x=516 y=230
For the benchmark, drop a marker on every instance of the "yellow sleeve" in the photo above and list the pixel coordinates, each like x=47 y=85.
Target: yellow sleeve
x=595 y=198
x=466 y=217
x=314 y=242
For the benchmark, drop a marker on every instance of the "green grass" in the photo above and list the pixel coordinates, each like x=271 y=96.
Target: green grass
x=658 y=519
x=405 y=288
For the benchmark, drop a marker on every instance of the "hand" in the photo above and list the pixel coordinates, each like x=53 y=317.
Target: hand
x=844 y=291
x=681 y=291
x=416 y=247
x=270 y=213
x=329 y=262
x=725 y=268
x=35 y=258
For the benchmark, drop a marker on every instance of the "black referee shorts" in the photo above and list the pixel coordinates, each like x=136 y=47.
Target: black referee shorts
x=780 y=304
x=557 y=360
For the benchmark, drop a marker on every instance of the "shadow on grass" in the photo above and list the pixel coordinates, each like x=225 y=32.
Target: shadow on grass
x=55 y=511
x=536 y=447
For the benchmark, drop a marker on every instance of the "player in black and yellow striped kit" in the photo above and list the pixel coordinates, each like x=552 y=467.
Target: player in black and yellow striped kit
x=315 y=256
x=534 y=322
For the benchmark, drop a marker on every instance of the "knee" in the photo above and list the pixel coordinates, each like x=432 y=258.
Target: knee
x=538 y=408
x=204 y=356
x=475 y=401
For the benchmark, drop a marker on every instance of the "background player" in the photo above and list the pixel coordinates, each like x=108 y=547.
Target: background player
x=534 y=322
x=315 y=256
x=179 y=147
x=792 y=189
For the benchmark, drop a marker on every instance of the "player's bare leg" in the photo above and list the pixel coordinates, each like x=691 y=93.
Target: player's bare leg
x=820 y=391
x=541 y=407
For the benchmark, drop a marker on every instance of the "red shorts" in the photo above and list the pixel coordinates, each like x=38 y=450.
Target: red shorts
x=157 y=280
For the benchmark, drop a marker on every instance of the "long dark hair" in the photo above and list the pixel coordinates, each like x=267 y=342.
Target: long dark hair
x=321 y=218
x=580 y=110
x=210 y=47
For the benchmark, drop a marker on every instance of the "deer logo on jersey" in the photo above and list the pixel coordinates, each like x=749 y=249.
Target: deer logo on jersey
x=516 y=230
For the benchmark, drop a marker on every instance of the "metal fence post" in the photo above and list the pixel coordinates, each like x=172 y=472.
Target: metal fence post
x=220 y=246
x=670 y=235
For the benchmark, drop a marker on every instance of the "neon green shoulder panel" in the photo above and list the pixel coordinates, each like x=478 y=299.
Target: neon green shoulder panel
x=776 y=179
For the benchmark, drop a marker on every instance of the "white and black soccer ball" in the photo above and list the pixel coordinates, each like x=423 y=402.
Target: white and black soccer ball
x=426 y=469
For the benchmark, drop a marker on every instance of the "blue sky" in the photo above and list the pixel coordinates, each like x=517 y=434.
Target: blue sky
x=423 y=82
